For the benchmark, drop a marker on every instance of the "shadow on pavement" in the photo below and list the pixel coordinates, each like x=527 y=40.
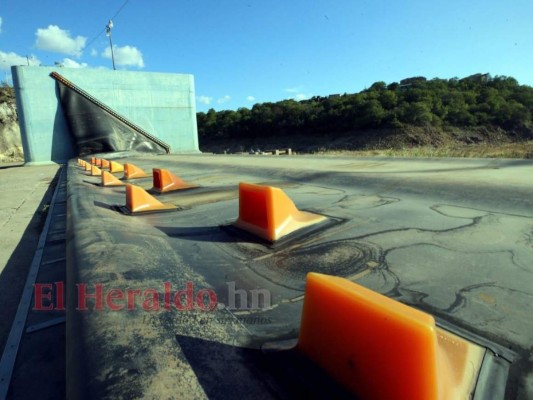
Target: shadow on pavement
x=229 y=372
x=13 y=277
x=11 y=165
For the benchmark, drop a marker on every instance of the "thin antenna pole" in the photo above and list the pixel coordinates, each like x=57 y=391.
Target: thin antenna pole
x=108 y=33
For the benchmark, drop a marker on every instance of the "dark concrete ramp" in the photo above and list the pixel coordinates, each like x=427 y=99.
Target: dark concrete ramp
x=447 y=237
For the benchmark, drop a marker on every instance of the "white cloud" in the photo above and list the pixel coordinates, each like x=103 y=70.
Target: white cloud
x=94 y=52
x=224 y=99
x=293 y=90
x=9 y=59
x=58 y=40
x=297 y=93
x=125 y=56
x=68 y=63
x=250 y=98
x=204 y=99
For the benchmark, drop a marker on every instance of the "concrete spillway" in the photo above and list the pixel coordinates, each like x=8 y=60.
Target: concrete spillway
x=439 y=242
x=445 y=237
x=168 y=277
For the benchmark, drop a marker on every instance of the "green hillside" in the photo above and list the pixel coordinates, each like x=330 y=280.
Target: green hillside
x=414 y=111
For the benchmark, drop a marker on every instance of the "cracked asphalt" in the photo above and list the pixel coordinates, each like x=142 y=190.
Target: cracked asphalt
x=453 y=237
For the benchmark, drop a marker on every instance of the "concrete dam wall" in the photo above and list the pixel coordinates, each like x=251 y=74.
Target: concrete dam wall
x=163 y=105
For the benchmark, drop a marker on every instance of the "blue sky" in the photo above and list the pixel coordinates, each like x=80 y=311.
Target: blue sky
x=246 y=52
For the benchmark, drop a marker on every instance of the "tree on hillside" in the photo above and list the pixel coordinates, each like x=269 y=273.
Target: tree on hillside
x=477 y=100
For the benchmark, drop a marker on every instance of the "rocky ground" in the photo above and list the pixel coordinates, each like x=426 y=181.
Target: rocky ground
x=10 y=143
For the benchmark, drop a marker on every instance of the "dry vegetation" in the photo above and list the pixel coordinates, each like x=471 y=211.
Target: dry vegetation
x=411 y=142
x=507 y=150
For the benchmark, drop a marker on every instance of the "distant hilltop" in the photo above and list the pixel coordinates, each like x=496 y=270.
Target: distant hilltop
x=414 y=111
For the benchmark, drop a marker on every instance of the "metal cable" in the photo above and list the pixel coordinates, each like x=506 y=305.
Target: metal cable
x=103 y=30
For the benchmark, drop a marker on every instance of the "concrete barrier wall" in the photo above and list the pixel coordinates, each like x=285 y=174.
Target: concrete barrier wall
x=161 y=104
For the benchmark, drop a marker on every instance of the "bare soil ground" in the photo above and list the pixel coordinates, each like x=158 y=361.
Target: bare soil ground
x=410 y=142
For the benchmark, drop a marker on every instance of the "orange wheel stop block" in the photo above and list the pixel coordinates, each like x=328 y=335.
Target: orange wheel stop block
x=269 y=213
x=95 y=171
x=88 y=166
x=133 y=172
x=115 y=167
x=110 y=180
x=105 y=164
x=98 y=162
x=139 y=201
x=165 y=181
x=379 y=348
x=93 y=160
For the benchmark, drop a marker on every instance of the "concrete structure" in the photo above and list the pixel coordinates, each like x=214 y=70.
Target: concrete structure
x=449 y=237
x=161 y=104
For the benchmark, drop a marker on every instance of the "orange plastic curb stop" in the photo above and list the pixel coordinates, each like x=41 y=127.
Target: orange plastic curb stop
x=269 y=213
x=165 y=181
x=133 y=172
x=95 y=171
x=98 y=162
x=139 y=201
x=105 y=164
x=115 y=167
x=88 y=166
x=93 y=160
x=379 y=348
x=110 y=180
